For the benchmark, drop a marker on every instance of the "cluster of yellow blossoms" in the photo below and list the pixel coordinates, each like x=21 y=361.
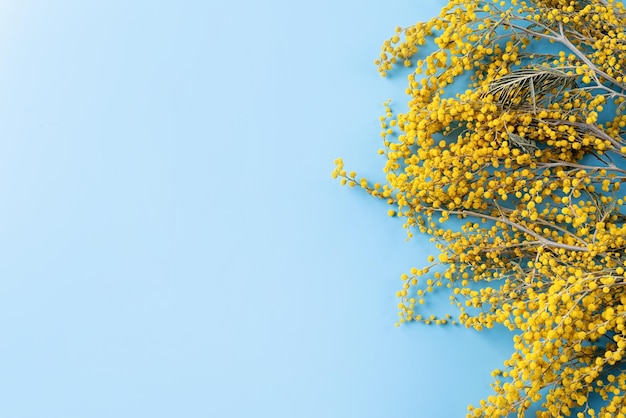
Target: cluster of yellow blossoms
x=517 y=179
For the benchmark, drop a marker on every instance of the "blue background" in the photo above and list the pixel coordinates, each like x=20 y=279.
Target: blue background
x=172 y=242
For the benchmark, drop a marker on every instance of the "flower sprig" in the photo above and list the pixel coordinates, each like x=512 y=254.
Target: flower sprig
x=528 y=156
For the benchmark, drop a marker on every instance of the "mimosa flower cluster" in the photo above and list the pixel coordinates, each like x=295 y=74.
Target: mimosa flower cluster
x=511 y=157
